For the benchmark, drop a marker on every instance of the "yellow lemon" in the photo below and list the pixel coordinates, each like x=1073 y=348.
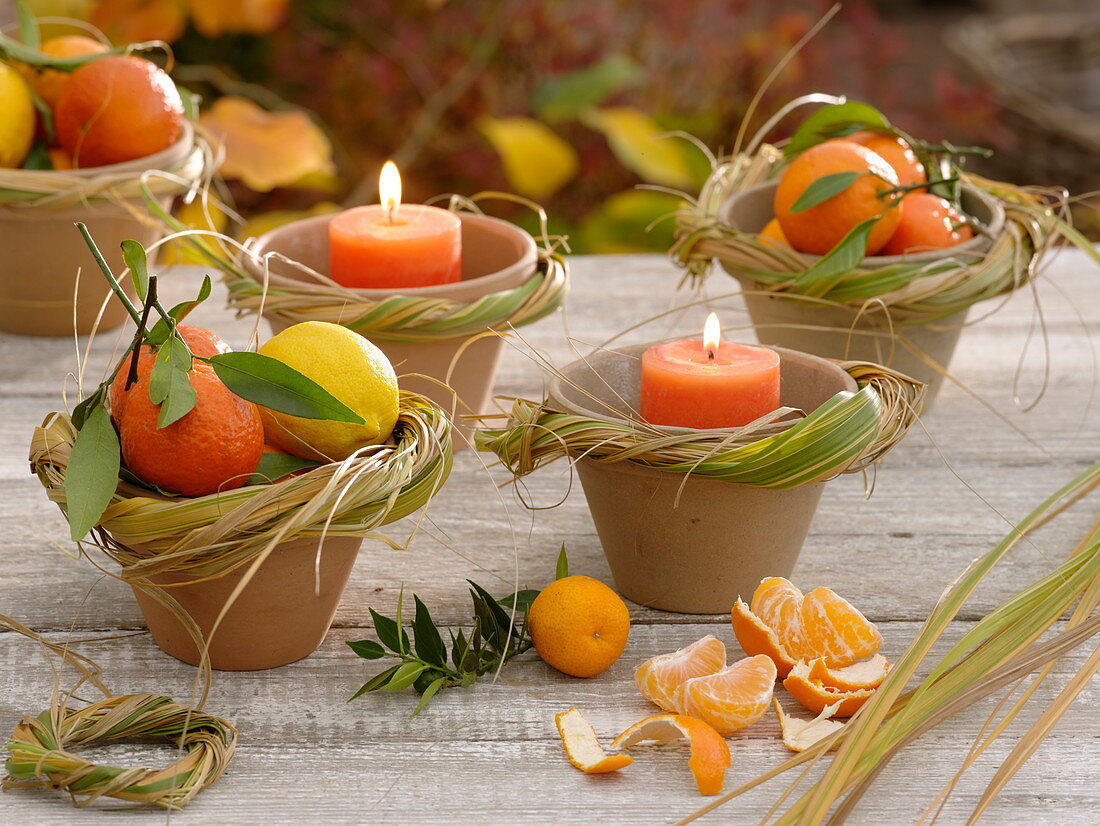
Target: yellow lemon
x=16 y=117
x=350 y=368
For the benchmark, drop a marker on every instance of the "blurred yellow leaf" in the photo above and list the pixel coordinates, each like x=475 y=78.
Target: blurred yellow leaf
x=537 y=162
x=266 y=221
x=640 y=145
x=265 y=150
x=195 y=217
x=217 y=17
x=135 y=21
x=628 y=222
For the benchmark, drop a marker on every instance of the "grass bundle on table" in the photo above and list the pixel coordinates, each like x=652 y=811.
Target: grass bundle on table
x=845 y=434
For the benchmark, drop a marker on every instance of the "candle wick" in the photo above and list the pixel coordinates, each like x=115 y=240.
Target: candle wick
x=389 y=212
x=710 y=354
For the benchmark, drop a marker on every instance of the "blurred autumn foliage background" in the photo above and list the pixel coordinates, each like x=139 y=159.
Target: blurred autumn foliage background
x=568 y=102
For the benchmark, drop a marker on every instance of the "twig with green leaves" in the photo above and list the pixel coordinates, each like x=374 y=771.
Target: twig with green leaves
x=425 y=664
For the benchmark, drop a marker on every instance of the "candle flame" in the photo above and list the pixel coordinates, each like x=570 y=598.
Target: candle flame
x=389 y=188
x=712 y=334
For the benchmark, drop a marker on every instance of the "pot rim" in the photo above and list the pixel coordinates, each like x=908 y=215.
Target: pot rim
x=558 y=399
x=165 y=159
x=974 y=247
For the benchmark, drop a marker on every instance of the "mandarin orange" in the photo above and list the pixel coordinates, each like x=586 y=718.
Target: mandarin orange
x=49 y=83
x=116 y=109
x=579 y=625
x=896 y=152
x=928 y=222
x=819 y=228
x=772 y=233
x=730 y=699
x=215 y=447
x=659 y=677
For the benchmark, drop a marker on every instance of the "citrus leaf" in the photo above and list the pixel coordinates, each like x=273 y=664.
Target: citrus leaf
x=641 y=145
x=845 y=256
x=374 y=683
x=429 y=692
x=159 y=333
x=133 y=256
x=429 y=645
x=169 y=383
x=537 y=162
x=460 y=646
x=15 y=50
x=276 y=466
x=835 y=121
x=270 y=383
x=565 y=96
x=38 y=157
x=367 y=649
x=405 y=676
x=80 y=412
x=28 y=26
x=519 y=601
x=823 y=189
x=389 y=634
x=561 y=571
x=92 y=475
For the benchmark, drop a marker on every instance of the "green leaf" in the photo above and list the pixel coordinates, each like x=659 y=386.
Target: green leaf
x=169 y=382
x=45 y=114
x=190 y=101
x=276 y=466
x=92 y=475
x=133 y=256
x=429 y=692
x=835 y=121
x=389 y=634
x=823 y=189
x=429 y=644
x=405 y=676
x=520 y=600
x=561 y=571
x=376 y=682
x=845 y=256
x=460 y=646
x=565 y=96
x=28 y=26
x=80 y=412
x=270 y=383
x=630 y=222
x=367 y=649
x=159 y=333
x=38 y=157
x=641 y=145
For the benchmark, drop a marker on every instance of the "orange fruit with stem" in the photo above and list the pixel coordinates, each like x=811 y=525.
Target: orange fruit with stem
x=49 y=83
x=896 y=152
x=730 y=699
x=819 y=228
x=116 y=109
x=583 y=748
x=788 y=626
x=658 y=678
x=200 y=341
x=710 y=755
x=215 y=447
x=578 y=625
x=928 y=222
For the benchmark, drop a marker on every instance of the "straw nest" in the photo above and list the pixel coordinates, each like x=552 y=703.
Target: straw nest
x=38 y=754
x=209 y=536
x=912 y=293
x=847 y=433
x=176 y=169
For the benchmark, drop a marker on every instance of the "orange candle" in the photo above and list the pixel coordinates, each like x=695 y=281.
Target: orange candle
x=393 y=245
x=705 y=383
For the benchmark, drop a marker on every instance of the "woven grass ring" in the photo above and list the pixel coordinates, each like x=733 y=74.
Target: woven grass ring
x=39 y=755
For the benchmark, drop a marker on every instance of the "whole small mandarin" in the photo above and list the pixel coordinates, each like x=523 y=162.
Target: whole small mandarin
x=819 y=228
x=49 y=83
x=579 y=625
x=928 y=222
x=896 y=152
x=773 y=233
x=116 y=109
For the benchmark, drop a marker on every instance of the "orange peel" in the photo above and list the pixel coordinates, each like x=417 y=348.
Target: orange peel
x=583 y=748
x=816 y=696
x=710 y=756
x=862 y=675
x=659 y=677
x=799 y=735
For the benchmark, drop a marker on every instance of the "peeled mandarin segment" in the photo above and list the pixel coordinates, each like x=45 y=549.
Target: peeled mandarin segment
x=658 y=677
x=817 y=697
x=799 y=735
x=735 y=697
x=757 y=638
x=863 y=675
x=583 y=749
x=710 y=756
x=834 y=629
x=778 y=604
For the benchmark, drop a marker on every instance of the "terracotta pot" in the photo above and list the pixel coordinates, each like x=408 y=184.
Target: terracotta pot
x=841 y=333
x=695 y=556
x=281 y=615
x=496 y=256
x=43 y=251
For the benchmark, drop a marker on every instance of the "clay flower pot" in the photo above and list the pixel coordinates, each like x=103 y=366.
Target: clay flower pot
x=842 y=332
x=496 y=256
x=698 y=554
x=43 y=250
x=295 y=590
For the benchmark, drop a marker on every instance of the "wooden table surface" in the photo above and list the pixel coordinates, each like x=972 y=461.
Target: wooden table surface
x=490 y=754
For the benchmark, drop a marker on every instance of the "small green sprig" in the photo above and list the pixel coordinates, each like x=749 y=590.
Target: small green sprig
x=426 y=666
